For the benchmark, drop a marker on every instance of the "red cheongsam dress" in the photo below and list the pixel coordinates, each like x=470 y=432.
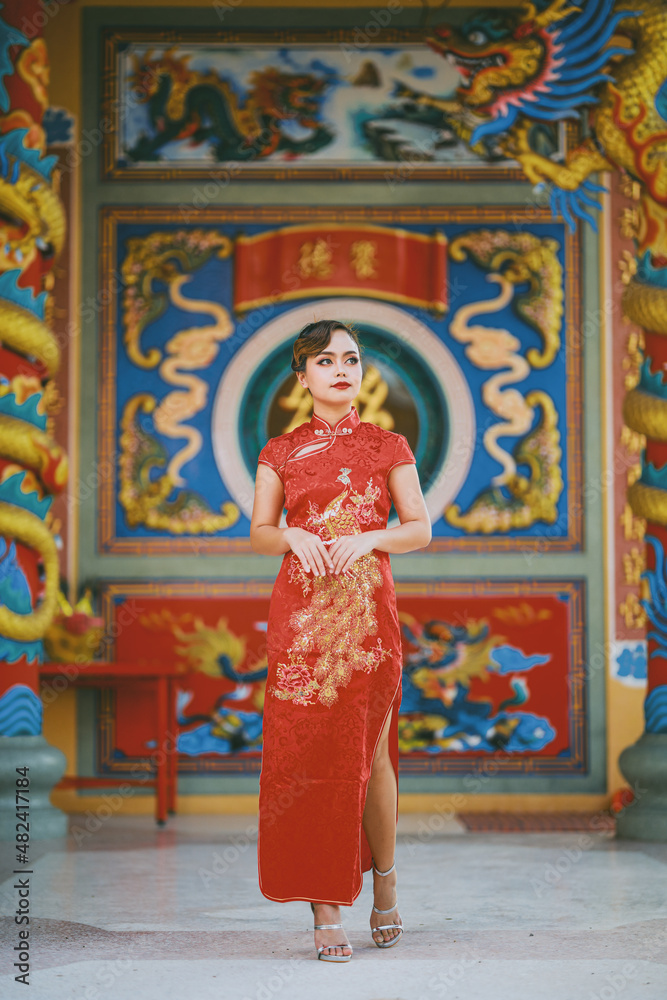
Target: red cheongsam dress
x=334 y=664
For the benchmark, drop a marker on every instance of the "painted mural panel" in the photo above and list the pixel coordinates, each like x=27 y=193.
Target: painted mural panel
x=469 y=319
x=493 y=671
x=326 y=104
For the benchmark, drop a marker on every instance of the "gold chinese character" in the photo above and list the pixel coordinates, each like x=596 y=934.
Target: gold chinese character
x=298 y=403
x=372 y=393
x=363 y=258
x=315 y=260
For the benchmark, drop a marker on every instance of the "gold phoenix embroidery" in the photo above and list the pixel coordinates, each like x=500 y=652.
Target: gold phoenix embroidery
x=341 y=611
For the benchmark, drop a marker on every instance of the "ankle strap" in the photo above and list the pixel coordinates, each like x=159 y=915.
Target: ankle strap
x=387 y=871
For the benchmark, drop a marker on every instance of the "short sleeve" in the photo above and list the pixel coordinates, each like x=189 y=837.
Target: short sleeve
x=402 y=452
x=269 y=457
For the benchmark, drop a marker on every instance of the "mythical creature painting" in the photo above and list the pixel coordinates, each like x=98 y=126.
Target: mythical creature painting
x=599 y=63
x=205 y=107
x=323 y=105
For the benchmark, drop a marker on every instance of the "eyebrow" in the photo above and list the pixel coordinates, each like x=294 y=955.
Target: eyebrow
x=331 y=352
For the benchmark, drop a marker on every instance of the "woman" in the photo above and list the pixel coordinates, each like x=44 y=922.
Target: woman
x=329 y=781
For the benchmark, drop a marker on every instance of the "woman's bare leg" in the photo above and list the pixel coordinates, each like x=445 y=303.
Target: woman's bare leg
x=327 y=913
x=379 y=822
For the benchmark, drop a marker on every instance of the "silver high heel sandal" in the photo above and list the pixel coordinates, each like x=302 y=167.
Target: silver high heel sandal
x=387 y=927
x=320 y=950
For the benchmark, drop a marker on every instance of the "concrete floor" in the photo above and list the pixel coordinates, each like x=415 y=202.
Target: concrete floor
x=130 y=910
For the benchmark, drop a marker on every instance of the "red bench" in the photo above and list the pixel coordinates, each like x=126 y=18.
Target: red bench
x=99 y=674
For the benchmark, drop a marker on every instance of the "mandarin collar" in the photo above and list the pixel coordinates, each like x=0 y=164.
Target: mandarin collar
x=345 y=425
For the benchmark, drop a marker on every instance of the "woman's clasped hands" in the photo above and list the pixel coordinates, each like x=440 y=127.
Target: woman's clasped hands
x=328 y=559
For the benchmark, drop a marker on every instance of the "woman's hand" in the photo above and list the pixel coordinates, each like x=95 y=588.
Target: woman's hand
x=310 y=549
x=347 y=548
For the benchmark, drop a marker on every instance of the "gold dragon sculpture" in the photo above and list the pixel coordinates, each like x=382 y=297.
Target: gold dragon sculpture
x=33 y=467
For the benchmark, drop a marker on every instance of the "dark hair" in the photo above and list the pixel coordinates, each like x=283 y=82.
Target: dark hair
x=314 y=338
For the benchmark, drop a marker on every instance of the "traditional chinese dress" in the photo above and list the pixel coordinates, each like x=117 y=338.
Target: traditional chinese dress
x=334 y=664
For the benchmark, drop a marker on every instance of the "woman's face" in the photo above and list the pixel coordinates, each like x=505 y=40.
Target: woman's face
x=337 y=362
